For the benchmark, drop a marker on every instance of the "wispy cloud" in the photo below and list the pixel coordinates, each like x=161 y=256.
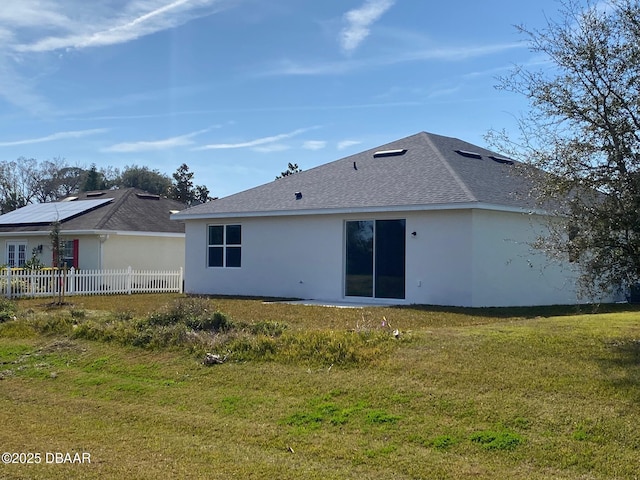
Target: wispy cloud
x=273 y=147
x=17 y=90
x=359 y=22
x=256 y=142
x=347 y=143
x=55 y=136
x=154 y=145
x=78 y=24
x=341 y=67
x=314 y=144
x=29 y=27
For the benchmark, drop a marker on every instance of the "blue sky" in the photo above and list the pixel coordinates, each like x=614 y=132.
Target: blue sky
x=238 y=88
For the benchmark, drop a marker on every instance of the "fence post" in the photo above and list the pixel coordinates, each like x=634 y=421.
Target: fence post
x=181 y=281
x=8 y=290
x=71 y=281
x=129 y=279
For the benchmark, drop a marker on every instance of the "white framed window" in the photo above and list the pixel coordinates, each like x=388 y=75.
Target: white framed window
x=16 y=253
x=224 y=246
x=69 y=253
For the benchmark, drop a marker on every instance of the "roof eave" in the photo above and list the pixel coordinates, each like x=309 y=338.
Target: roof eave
x=358 y=210
x=65 y=233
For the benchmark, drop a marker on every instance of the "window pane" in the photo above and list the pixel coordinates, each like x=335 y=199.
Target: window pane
x=234 y=255
x=234 y=234
x=359 y=274
x=216 y=234
x=68 y=249
x=215 y=256
x=390 y=258
x=22 y=254
x=11 y=255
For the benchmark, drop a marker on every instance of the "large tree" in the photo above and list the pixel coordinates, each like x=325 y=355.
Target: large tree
x=56 y=179
x=93 y=180
x=146 y=179
x=184 y=190
x=583 y=131
x=291 y=169
x=18 y=183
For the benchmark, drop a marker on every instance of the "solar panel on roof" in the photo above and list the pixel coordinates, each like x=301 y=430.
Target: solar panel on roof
x=50 y=212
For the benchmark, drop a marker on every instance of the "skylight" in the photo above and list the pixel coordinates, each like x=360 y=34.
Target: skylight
x=466 y=153
x=148 y=196
x=95 y=194
x=389 y=153
x=507 y=161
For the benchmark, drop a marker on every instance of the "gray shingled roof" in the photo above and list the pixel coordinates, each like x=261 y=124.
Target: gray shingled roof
x=429 y=173
x=130 y=210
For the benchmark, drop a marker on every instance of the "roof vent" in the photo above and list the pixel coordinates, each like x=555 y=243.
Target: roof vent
x=466 y=153
x=507 y=161
x=390 y=153
x=148 y=196
x=298 y=195
x=69 y=199
x=95 y=194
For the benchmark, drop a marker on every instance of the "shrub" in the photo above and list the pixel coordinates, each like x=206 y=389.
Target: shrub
x=192 y=324
x=345 y=348
x=54 y=324
x=76 y=313
x=194 y=312
x=271 y=329
x=8 y=310
x=216 y=321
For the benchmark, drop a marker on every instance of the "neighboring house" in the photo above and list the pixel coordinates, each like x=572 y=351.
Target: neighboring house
x=426 y=219
x=107 y=229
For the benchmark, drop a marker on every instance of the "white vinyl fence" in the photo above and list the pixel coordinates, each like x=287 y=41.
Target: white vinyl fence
x=51 y=282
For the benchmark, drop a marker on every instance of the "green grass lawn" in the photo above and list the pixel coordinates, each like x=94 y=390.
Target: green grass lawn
x=483 y=394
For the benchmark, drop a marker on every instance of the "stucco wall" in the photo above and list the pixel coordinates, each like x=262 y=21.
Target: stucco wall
x=88 y=252
x=281 y=257
x=439 y=258
x=303 y=257
x=456 y=257
x=142 y=252
x=118 y=251
x=508 y=271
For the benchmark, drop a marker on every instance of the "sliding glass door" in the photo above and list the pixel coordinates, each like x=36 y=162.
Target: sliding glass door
x=375 y=258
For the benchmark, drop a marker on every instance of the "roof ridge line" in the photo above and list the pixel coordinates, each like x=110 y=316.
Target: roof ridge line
x=453 y=173
x=114 y=209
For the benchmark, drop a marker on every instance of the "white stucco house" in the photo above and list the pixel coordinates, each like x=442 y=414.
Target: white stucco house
x=426 y=219
x=106 y=229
